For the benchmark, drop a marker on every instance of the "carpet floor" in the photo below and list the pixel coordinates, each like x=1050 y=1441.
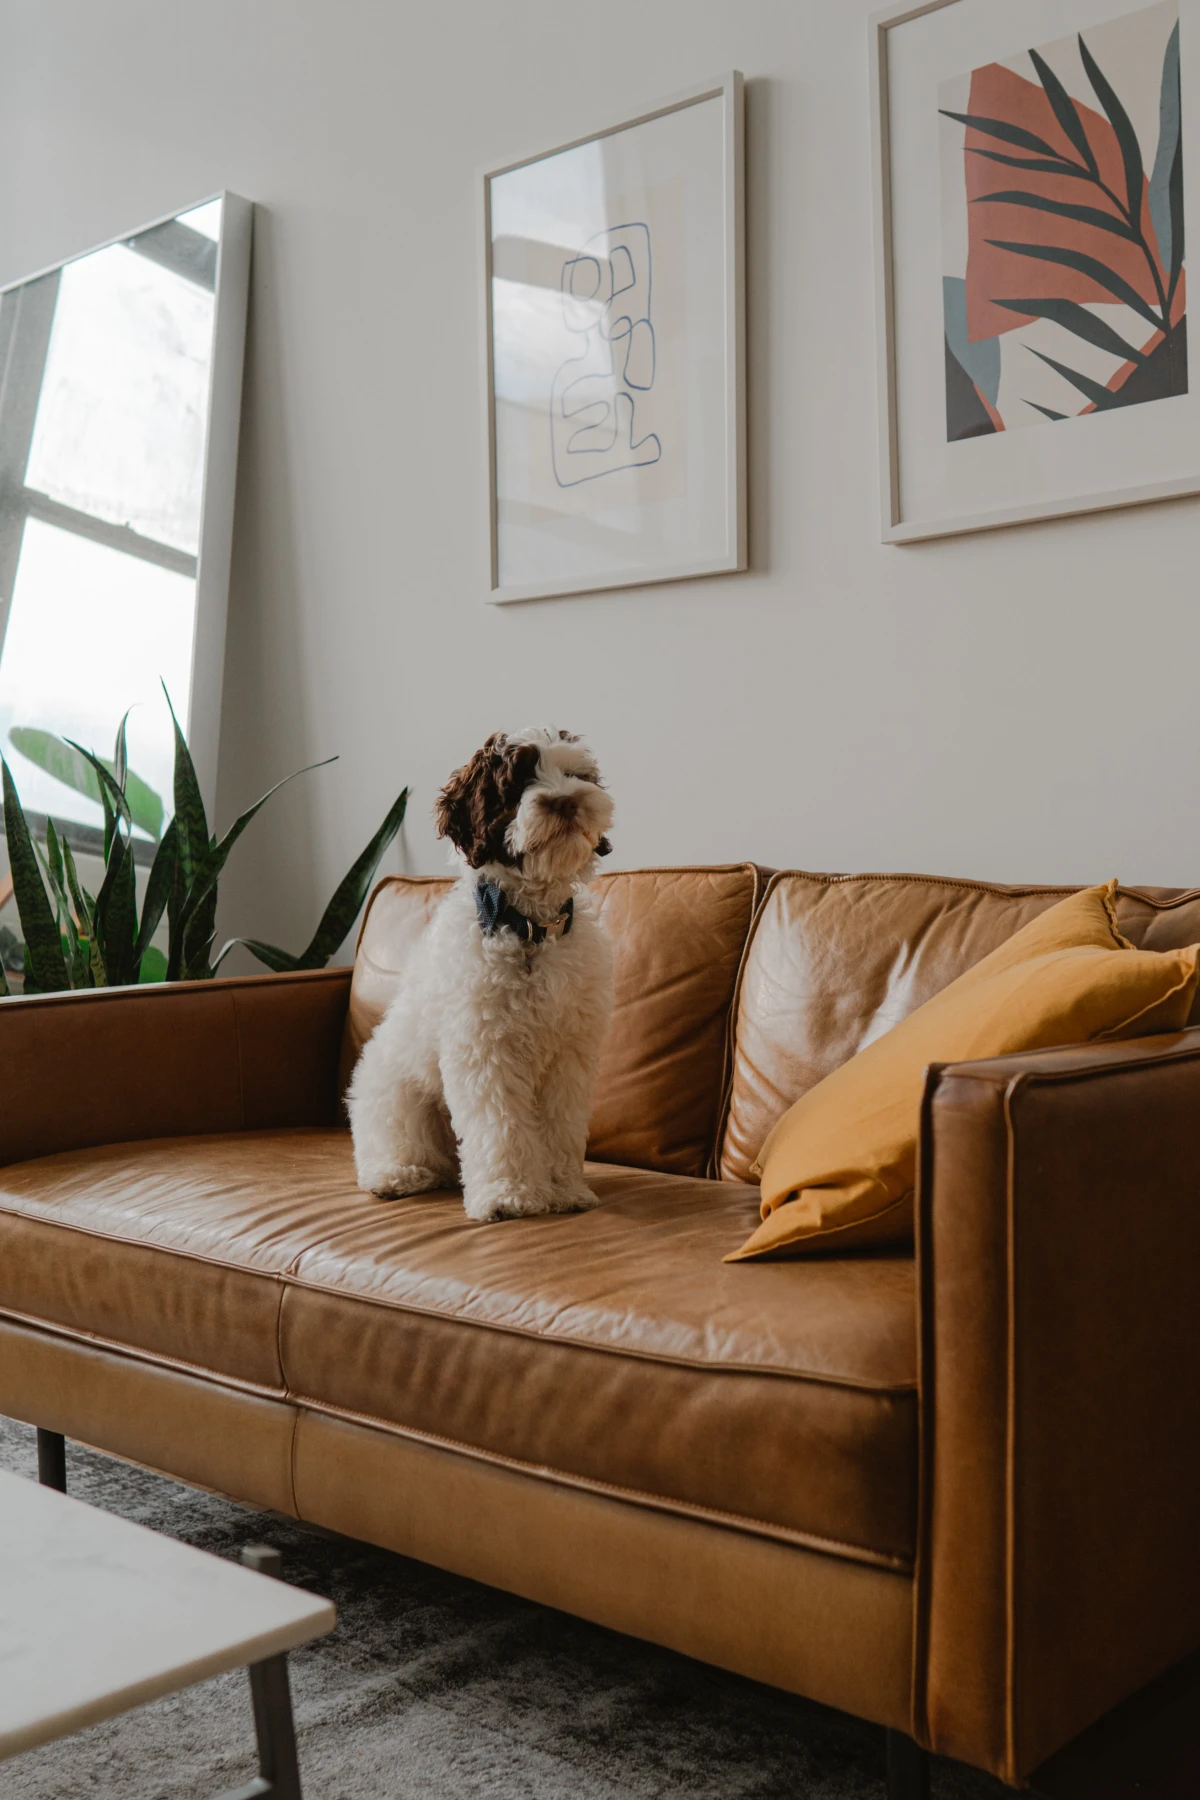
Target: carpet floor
x=434 y=1688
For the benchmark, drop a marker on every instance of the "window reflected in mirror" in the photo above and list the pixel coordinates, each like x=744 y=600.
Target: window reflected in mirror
x=105 y=369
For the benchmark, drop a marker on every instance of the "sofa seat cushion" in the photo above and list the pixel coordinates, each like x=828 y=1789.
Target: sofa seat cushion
x=611 y=1350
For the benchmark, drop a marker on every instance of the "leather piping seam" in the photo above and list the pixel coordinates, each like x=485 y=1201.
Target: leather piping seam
x=130 y=1243
x=926 y=1407
x=1132 y=1065
x=977 y=887
x=1011 y=1446
x=708 y=1515
x=159 y=1359
x=162 y=992
x=759 y=898
x=284 y=1276
x=894 y=1391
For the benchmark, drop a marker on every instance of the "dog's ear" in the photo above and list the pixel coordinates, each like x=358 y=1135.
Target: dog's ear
x=479 y=802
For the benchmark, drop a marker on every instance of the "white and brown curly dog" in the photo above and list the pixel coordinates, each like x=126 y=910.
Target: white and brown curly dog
x=481 y=1070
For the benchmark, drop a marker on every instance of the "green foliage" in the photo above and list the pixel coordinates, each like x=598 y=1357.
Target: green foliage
x=74 y=939
x=71 y=767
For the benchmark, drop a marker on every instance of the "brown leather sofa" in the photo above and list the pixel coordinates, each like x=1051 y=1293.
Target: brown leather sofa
x=957 y=1494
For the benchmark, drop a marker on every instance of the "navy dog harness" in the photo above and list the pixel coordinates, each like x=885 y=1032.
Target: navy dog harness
x=496 y=910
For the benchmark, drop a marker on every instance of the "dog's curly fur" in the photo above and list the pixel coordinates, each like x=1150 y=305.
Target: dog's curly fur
x=482 y=1068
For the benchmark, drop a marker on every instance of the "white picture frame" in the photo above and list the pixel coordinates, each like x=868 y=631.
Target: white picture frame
x=1135 y=454
x=666 y=498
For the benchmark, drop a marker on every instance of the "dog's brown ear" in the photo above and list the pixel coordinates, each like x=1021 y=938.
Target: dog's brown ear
x=478 y=803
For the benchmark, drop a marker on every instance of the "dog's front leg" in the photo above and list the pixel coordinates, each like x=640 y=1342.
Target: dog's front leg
x=566 y=1105
x=490 y=1091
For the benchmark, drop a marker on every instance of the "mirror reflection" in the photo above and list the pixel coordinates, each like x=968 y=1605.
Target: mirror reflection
x=104 y=395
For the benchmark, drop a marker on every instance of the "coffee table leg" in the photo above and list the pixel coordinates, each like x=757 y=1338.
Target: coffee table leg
x=52 y=1459
x=274 y=1728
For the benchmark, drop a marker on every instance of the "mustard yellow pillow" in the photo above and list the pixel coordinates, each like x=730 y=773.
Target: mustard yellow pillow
x=838 y=1168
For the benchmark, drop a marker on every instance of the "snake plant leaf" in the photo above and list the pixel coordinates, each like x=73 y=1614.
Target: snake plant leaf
x=1064 y=209
x=1065 y=110
x=29 y=981
x=158 y=890
x=54 y=859
x=120 y=761
x=190 y=818
x=43 y=947
x=74 y=951
x=85 y=906
x=109 y=791
x=4 y=987
x=342 y=910
x=219 y=852
x=50 y=754
x=1080 y=321
x=352 y=890
x=282 y=962
x=116 y=915
x=1007 y=134
x=198 y=933
x=1086 y=265
x=1126 y=136
x=176 y=918
x=152 y=965
x=55 y=757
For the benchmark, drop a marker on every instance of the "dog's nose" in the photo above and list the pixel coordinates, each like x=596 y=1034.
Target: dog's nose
x=563 y=806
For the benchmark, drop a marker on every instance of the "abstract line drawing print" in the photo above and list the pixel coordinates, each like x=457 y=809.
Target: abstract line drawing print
x=1064 y=282
x=606 y=299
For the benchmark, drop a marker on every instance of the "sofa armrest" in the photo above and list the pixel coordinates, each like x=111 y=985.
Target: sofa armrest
x=1058 y=1232
x=169 y=1060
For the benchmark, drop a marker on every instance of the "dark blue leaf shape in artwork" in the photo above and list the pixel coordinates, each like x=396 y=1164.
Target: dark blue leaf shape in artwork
x=1063 y=209
x=1077 y=319
x=1131 y=150
x=1098 y=272
x=1006 y=133
x=1065 y=110
x=1169 y=115
x=1101 y=397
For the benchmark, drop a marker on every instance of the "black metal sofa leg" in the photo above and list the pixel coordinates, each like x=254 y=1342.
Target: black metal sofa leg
x=907 y=1768
x=52 y=1459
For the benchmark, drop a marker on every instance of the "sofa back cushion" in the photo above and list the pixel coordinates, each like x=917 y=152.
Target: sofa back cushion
x=679 y=936
x=835 y=960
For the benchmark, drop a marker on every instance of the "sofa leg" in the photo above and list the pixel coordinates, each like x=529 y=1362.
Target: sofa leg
x=52 y=1459
x=907 y=1768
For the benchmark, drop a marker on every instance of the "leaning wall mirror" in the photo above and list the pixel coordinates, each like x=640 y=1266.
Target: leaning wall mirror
x=120 y=395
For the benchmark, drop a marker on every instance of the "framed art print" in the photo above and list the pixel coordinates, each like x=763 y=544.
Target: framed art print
x=614 y=352
x=1036 y=184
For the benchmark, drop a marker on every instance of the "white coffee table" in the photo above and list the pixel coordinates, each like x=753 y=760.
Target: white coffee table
x=98 y=1615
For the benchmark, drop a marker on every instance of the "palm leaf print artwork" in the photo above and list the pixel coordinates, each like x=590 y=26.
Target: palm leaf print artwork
x=1064 y=289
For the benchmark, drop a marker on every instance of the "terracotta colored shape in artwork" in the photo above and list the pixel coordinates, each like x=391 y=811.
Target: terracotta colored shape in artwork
x=993 y=274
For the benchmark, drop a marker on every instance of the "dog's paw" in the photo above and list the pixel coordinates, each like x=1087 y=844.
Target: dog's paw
x=573 y=1196
x=506 y=1200
x=409 y=1178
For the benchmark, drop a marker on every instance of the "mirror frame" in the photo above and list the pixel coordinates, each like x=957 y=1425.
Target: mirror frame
x=230 y=303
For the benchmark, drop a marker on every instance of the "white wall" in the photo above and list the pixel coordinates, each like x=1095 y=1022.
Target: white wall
x=1018 y=705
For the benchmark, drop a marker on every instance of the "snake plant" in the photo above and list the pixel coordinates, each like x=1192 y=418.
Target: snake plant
x=76 y=939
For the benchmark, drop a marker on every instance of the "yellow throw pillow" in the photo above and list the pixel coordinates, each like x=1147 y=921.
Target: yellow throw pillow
x=839 y=1166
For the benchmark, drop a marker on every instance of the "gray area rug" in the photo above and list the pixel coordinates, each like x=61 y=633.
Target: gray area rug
x=435 y=1687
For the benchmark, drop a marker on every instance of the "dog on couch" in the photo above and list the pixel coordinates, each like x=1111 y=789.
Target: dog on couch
x=481 y=1070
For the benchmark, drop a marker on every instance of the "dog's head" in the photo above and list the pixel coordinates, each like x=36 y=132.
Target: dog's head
x=530 y=801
